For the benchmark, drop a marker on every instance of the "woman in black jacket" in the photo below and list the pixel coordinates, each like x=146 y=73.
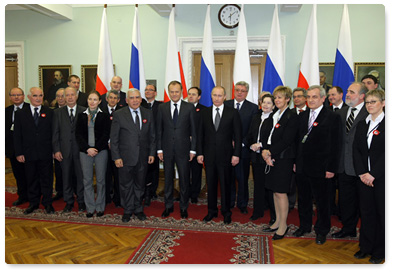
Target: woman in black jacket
x=369 y=164
x=278 y=138
x=92 y=134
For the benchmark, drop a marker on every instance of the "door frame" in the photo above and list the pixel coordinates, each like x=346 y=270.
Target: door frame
x=17 y=47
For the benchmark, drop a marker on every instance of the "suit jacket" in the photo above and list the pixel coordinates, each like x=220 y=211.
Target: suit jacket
x=82 y=99
x=105 y=110
x=361 y=152
x=154 y=107
x=34 y=142
x=344 y=105
x=9 y=134
x=253 y=135
x=346 y=157
x=121 y=103
x=293 y=110
x=284 y=135
x=246 y=112
x=217 y=146
x=179 y=139
x=102 y=131
x=63 y=132
x=128 y=142
x=321 y=151
x=198 y=108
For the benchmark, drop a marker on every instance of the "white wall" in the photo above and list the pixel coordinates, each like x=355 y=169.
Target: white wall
x=54 y=42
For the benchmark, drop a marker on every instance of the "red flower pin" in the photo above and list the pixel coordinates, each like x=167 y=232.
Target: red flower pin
x=277 y=125
x=111 y=117
x=197 y=109
x=376 y=132
x=315 y=124
x=43 y=115
x=144 y=121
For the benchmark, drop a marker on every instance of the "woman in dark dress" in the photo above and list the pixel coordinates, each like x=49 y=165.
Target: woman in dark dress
x=369 y=163
x=278 y=138
x=261 y=196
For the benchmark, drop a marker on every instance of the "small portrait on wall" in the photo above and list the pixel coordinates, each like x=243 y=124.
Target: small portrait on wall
x=375 y=69
x=327 y=69
x=88 y=77
x=51 y=78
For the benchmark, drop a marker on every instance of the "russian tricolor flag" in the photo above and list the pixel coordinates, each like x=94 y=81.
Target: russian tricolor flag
x=275 y=65
x=343 y=74
x=207 y=68
x=105 y=69
x=137 y=76
x=309 y=68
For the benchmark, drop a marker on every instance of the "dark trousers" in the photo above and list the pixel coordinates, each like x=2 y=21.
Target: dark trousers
x=349 y=201
x=112 y=182
x=196 y=178
x=318 y=188
x=39 y=175
x=332 y=194
x=214 y=173
x=19 y=173
x=292 y=192
x=240 y=172
x=58 y=177
x=372 y=204
x=131 y=185
x=72 y=166
x=262 y=197
x=183 y=172
x=152 y=178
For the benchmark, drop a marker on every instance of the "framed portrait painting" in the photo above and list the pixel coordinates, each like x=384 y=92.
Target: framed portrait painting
x=375 y=69
x=51 y=78
x=88 y=77
x=328 y=69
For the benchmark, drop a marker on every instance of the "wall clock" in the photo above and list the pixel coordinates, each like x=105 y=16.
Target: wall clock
x=229 y=15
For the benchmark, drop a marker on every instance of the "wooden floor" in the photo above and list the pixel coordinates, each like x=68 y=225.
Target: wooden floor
x=38 y=242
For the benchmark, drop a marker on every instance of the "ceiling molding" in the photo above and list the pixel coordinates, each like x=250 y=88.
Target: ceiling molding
x=57 y=12
x=290 y=7
x=162 y=9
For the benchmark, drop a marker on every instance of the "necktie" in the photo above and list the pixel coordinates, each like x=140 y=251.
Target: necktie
x=13 y=113
x=238 y=106
x=311 y=120
x=137 y=119
x=175 y=114
x=217 y=119
x=336 y=109
x=150 y=106
x=71 y=116
x=112 y=110
x=350 y=120
x=36 y=115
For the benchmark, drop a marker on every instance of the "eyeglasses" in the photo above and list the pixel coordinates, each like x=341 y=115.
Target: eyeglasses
x=152 y=90
x=371 y=102
x=298 y=96
x=16 y=95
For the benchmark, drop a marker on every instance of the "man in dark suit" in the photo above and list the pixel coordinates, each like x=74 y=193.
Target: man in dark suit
x=133 y=147
x=219 y=148
x=66 y=149
x=348 y=179
x=299 y=95
x=335 y=97
x=194 y=94
x=319 y=146
x=152 y=178
x=176 y=135
x=17 y=97
x=32 y=141
x=74 y=81
x=115 y=84
x=241 y=171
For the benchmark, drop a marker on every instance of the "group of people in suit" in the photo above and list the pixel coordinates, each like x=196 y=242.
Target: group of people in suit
x=312 y=146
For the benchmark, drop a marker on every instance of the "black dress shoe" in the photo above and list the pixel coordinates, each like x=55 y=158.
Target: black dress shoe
x=279 y=237
x=320 y=239
x=18 y=202
x=300 y=232
x=255 y=217
x=30 y=209
x=141 y=216
x=57 y=196
x=360 y=255
x=167 y=212
x=269 y=229
x=100 y=214
x=243 y=210
x=147 y=201
x=89 y=215
x=210 y=216
x=375 y=260
x=227 y=219
x=49 y=209
x=126 y=218
x=343 y=234
x=81 y=207
x=194 y=200
x=184 y=213
x=68 y=208
x=272 y=221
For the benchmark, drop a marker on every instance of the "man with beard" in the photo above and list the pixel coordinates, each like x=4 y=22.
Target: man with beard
x=58 y=82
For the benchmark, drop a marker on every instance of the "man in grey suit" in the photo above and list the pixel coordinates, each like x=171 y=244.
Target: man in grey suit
x=66 y=150
x=348 y=180
x=176 y=144
x=133 y=147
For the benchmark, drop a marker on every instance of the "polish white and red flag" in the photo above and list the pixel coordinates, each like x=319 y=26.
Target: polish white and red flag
x=174 y=71
x=105 y=70
x=309 y=68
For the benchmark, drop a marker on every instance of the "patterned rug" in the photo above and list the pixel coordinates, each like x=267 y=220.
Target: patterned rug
x=186 y=247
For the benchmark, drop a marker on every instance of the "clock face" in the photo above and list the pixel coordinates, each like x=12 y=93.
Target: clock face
x=229 y=15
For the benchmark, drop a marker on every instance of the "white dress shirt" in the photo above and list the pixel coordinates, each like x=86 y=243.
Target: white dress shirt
x=221 y=109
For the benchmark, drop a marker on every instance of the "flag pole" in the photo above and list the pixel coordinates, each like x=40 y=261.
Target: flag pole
x=105 y=6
